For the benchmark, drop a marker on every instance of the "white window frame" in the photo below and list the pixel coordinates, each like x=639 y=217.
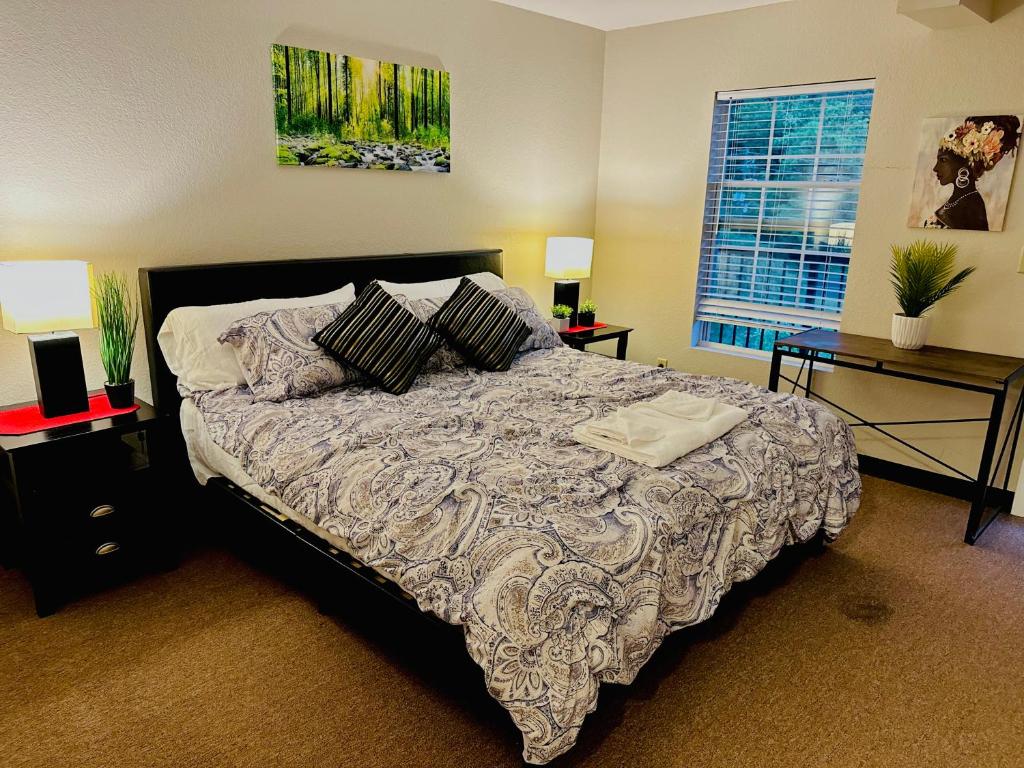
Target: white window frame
x=756 y=315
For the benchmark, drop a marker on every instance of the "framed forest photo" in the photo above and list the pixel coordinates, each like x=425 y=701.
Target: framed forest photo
x=964 y=171
x=340 y=111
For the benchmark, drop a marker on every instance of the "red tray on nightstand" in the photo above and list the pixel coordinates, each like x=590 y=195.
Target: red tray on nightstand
x=24 y=421
x=582 y=328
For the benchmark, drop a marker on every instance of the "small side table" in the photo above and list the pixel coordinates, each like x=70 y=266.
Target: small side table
x=85 y=504
x=581 y=339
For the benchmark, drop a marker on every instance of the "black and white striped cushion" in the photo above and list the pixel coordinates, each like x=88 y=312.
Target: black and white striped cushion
x=381 y=339
x=482 y=327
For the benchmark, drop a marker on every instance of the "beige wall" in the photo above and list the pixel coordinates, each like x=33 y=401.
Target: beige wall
x=660 y=83
x=141 y=133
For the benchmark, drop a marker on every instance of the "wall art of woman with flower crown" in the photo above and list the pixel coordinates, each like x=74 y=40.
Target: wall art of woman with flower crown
x=966 y=183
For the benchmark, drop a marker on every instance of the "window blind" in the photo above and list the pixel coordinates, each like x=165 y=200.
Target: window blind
x=780 y=213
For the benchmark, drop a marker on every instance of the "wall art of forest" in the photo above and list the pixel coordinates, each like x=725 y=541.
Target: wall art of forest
x=348 y=112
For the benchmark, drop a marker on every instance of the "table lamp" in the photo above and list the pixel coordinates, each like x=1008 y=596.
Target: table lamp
x=46 y=299
x=568 y=261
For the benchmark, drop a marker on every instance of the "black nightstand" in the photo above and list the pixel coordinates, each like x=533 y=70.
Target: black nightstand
x=85 y=504
x=580 y=339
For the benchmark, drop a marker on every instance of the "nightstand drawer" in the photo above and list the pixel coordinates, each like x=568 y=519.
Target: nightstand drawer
x=113 y=518
x=109 y=553
x=86 y=565
x=92 y=550
x=84 y=508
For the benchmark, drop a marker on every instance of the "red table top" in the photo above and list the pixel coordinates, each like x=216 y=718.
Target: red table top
x=581 y=328
x=23 y=421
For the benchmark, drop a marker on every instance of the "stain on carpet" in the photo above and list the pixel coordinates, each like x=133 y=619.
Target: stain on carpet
x=866 y=609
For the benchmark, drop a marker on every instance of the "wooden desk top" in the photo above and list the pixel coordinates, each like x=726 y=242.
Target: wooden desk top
x=960 y=362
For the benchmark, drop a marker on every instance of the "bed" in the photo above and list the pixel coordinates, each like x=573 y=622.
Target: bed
x=467 y=497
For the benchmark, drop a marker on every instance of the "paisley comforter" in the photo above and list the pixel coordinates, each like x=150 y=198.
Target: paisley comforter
x=566 y=566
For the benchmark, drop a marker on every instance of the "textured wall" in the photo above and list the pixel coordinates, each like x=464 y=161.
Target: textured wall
x=141 y=133
x=660 y=83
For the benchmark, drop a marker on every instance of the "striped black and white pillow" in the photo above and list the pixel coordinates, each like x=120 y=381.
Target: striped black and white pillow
x=381 y=339
x=486 y=330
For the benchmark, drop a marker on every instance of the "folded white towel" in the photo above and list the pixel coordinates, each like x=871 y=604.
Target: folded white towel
x=682 y=405
x=635 y=429
x=646 y=433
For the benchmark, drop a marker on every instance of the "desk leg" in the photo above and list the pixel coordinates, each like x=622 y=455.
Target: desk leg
x=773 y=376
x=974 y=525
x=810 y=374
x=620 y=349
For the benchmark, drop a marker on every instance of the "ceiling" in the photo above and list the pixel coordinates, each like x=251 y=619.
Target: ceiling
x=618 y=14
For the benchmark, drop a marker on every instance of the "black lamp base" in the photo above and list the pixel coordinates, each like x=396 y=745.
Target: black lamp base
x=568 y=292
x=59 y=374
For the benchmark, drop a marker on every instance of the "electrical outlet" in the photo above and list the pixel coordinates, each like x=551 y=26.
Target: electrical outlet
x=1020 y=264
x=663 y=362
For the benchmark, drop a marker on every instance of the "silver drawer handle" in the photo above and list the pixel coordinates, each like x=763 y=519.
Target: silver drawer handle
x=102 y=511
x=108 y=549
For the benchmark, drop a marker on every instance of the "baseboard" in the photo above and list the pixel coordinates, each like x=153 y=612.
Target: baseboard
x=927 y=480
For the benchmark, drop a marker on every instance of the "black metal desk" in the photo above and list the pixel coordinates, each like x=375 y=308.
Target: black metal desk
x=991 y=375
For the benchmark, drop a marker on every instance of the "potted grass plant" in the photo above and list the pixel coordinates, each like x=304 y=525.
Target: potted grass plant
x=560 y=314
x=587 y=313
x=921 y=275
x=118 y=314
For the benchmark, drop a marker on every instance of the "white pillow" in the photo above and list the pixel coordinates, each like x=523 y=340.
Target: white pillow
x=188 y=337
x=441 y=288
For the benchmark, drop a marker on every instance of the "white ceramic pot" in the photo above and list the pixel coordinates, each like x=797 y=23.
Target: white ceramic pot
x=560 y=323
x=909 y=332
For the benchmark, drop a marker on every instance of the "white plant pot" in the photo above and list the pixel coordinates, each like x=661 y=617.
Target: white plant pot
x=909 y=332
x=560 y=323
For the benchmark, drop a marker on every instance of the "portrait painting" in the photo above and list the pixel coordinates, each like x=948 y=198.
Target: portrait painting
x=964 y=172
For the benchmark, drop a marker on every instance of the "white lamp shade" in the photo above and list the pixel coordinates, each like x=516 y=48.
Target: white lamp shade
x=42 y=296
x=569 y=258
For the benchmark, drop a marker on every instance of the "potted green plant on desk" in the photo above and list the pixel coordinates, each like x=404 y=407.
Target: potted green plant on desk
x=921 y=274
x=560 y=314
x=118 y=314
x=588 y=313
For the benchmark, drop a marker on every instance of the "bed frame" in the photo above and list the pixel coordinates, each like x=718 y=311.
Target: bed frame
x=162 y=289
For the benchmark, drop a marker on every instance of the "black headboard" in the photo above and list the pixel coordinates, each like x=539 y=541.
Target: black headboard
x=162 y=289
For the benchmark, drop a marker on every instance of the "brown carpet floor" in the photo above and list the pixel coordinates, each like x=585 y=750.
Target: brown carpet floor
x=896 y=646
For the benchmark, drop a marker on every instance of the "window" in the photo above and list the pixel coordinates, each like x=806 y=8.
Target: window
x=783 y=185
